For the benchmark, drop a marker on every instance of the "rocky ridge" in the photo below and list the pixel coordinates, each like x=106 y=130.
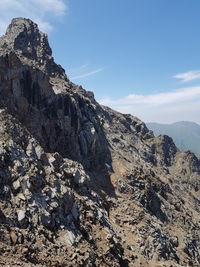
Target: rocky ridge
x=81 y=184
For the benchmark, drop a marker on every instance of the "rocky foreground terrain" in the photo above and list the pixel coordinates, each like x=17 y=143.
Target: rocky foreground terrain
x=81 y=184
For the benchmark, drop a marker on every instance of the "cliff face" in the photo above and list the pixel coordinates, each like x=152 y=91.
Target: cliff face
x=81 y=184
x=37 y=91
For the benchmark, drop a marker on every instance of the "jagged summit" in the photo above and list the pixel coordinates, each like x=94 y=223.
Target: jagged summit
x=24 y=38
x=24 y=35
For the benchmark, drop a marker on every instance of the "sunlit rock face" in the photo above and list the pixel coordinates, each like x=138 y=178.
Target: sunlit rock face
x=81 y=184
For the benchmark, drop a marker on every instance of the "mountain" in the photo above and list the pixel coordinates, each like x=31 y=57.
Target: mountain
x=82 y=184
x=185 y=134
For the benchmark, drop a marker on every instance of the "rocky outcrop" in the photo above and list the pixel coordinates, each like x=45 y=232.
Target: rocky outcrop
x=60 y=118
x=81 y=184
x=31 y=46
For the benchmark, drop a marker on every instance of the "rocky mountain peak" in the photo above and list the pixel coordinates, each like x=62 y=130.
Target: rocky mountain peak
x=82 y=184
x=23 y=36
x=31 y=46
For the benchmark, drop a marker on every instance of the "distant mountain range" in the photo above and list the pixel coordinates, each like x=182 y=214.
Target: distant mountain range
x=185 y=134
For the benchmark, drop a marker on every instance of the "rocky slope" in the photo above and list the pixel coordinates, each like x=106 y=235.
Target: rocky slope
x=81 y=184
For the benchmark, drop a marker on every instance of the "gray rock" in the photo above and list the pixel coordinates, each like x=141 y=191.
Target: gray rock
x=82 y=184
x=21 y=215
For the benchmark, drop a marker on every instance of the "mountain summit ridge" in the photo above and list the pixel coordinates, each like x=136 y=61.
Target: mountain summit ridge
x=186 y=134
x=82 y=184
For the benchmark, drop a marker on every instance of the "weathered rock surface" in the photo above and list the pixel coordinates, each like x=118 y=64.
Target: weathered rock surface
x=81 y=184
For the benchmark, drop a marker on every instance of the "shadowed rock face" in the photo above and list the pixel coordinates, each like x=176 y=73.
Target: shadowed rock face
x=31 y=46
x=24 y=36
x=59 y=118
x=81 y=184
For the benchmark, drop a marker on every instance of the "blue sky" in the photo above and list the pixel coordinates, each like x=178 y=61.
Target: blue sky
x=138 y=56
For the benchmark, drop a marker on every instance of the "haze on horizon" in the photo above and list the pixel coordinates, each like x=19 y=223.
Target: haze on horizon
x=139 y=57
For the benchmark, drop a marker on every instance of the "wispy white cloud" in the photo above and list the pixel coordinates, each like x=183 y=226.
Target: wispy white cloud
x=38 y=10
x=78 y=69
x=188 y=76
x=180 y=95
x=55 y=7
x=182 y=104
x=87 y=74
